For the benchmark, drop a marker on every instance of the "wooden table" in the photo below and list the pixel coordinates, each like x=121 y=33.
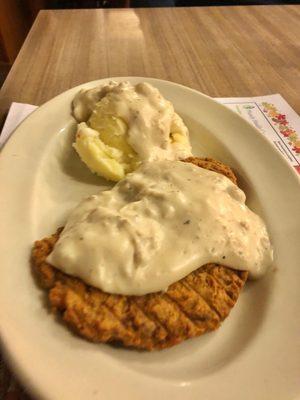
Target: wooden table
x=221 y=51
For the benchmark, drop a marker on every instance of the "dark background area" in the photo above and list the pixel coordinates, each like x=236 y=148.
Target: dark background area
x=176 y=3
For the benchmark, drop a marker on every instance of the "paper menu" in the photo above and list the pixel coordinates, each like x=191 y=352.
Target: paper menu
x=275 y=119
x=271 y=115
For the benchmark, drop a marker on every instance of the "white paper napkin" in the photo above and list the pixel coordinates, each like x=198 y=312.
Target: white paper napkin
x=17 y=113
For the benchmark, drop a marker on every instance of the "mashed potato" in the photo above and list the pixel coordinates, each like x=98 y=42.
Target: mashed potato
x=122 y=125
x=105 y=151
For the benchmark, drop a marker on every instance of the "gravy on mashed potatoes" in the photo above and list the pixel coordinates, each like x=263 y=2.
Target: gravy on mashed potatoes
x=122 y=125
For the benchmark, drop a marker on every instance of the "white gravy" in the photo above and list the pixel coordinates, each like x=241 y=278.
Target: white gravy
x=155 y=131
x=157 y=225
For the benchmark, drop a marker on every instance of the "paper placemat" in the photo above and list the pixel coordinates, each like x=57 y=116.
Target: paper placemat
x=275 y=119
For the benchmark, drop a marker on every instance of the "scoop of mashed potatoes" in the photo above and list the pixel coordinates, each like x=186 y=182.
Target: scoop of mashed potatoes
x=105 y=150
x=121 y=125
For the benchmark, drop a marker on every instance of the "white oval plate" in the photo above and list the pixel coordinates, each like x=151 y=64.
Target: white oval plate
x=256 y=352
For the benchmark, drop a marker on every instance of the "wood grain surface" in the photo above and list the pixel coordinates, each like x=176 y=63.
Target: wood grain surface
x=221 y=51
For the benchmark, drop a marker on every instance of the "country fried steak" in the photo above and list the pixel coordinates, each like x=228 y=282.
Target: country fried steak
x=190 y=307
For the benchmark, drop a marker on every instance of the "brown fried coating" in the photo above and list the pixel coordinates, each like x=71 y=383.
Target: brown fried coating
x=213 y=165
x=190 y=307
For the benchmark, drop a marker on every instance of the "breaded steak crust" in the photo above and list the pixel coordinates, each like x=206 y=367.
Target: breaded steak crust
x=190 y=307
